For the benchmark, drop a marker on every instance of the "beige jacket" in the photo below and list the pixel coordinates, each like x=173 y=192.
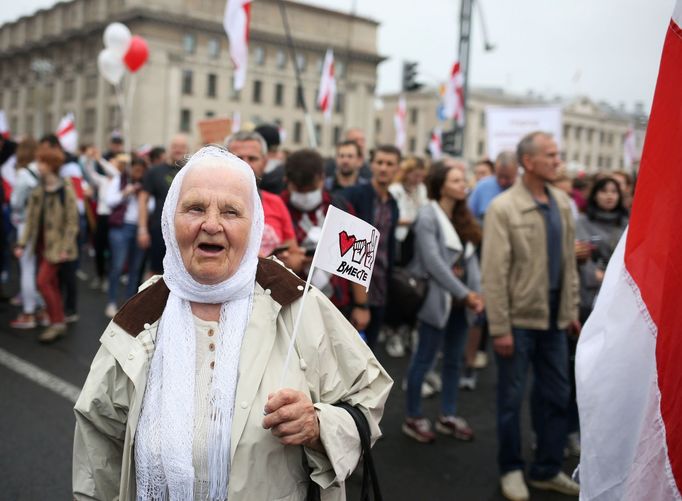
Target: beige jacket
x=514 y=264
x=332 y=364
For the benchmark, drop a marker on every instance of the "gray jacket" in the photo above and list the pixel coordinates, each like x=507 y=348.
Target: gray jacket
x=433 y=260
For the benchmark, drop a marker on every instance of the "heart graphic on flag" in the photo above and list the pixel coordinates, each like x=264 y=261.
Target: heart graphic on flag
x=345 y=242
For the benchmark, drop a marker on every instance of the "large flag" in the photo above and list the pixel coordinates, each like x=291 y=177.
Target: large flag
x=327 y=94
x=453 y=97
x=629 y=149
x=67 y=134
x=400 y=123
x=436 y=144
x=236 y=23
x=629 y=360
x=4 y=127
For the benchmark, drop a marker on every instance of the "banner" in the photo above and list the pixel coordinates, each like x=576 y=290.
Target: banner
x=506 y=126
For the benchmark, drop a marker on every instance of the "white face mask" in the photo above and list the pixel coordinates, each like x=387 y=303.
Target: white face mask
x=306 y=201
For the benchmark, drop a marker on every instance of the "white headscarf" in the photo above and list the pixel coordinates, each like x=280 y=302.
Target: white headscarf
x=163 y=448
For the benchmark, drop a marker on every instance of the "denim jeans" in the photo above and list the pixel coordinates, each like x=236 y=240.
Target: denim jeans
x=547 y=351
x=123 y=244
x=453 y=338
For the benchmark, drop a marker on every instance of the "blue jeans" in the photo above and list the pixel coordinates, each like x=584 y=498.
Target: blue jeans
x=547 y=351
x=123 y=245
x=453 y=338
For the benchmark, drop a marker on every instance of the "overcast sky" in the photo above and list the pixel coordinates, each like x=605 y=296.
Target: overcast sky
x=605 y=49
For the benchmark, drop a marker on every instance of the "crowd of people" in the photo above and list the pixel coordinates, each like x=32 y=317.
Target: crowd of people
x=512 y=252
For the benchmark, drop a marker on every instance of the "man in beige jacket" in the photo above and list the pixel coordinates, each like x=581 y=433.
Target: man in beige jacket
x=530 y=286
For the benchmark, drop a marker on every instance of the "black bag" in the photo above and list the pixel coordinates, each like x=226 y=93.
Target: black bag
x=407 y=293
x=369 y=474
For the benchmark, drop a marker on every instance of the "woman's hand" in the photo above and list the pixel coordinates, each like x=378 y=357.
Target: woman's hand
x=18 y=251
x=291 y=417
x=474 y=302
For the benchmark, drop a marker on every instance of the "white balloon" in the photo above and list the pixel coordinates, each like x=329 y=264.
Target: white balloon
x=111 y=66
x=117 y=37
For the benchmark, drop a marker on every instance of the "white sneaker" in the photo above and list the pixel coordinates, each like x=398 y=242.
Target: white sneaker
x=434 y=380
x=395 y=347
x=513 y=486
x=111 y=310
x=560 y=483
x=480 y=360
x=427 y=390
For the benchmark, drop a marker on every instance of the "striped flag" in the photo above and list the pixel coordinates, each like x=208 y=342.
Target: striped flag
x=236 y=22
x=400 y=123
x=4 y=127
x=453 y=97
x=436 y=144
x=628 y=365
x=67 y=134
x=629 y=149
x=327 y=94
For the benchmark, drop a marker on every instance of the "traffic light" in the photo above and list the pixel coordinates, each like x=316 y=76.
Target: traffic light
x=410 y=76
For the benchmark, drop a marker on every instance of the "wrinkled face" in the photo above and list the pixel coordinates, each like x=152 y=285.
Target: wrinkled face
x=213 y=222
x=545 y=162
x=347 y=160
x=178 y=149
x=384 y=168
x=607 y=198
x=455 y=185
x=252 y=153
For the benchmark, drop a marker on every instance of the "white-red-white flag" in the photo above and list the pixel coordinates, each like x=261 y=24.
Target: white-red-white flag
x=400 y=123
x=327 y=94
x=236 y=22
x=629 y=149
x=436 y=144
x=4 y=126
x=628 y=370
x=453 y=98
x=67 y=133
x=236 y=122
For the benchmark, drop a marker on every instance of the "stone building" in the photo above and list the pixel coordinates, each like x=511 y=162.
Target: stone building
x=48 y=67
x=593 y=133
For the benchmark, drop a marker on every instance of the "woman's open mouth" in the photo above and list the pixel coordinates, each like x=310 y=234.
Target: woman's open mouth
x=211 y=249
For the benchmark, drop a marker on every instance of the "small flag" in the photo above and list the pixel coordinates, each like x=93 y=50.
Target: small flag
x=327 y=94
x=236 y=122
x=628 y=370
x=67 y=134
x=347 y=247
x=4 y=126
x=436 y=144
x=400 y=123
x=629 y=149
x=453 y=98
x=237 y=22
x=282 y=134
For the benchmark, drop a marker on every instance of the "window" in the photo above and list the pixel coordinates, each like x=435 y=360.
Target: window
x=590 y=133
x=600 y=161
x=413 y=144
x=480 y=150
x=414 y=113
x=29 y=125
x=482 y=119
x=377 y=125
x=601 y=136
x=318 y=134
x=113 y=117
x=339 y=102
x=609 y=140
x=259 y=55
x=185 y=120
x=213 y=48
x=301 y=62
x=279 y=94
x=68 y=89
x=209 y=114
x=90 y=119
x=299 y=96
x=281 y=59
x=608 y=162
x=297 y=132
x=235 y=95
x=319 y=65
x=49 y=122
x=187 y=82
x=588 y=160
x=30 y=94
x=257 y=88
x=91 y=86
x=337 y=134
x=339 y=68
x=212 y=85
x=189 y=43
x=14 y=98
x=49 y=92
x=567 y=131
x=578 y=132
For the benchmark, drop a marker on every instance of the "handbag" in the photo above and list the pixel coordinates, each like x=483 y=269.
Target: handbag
x=407 y=293
x=369 y=474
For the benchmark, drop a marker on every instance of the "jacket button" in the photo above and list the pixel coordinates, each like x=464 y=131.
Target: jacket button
x=299 y=287
x=268 y=292
x=147 y=326
x=212 y=364
x=130 y=356
x=211 y=347
x=244 y=404
x=210 y=332
x=112 y=333
x=302 y=364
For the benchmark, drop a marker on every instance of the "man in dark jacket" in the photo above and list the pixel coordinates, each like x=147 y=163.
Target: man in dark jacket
x=374 y=204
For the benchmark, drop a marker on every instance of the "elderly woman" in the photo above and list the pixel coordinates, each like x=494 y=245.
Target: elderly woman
x=183 y=399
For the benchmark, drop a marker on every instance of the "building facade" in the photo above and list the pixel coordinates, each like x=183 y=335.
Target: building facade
x=48 y=67
x=593 y=133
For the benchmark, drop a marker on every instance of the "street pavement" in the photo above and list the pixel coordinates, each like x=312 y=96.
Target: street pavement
x=36 y=424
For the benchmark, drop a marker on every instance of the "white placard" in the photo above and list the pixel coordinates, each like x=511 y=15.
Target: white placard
x=506 y=126
x=347 y=247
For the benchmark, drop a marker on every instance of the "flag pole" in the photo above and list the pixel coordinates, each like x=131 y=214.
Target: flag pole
x=299 y=314
x=312 y=140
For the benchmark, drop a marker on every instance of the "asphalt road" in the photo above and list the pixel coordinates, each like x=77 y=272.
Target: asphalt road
x=36 y=424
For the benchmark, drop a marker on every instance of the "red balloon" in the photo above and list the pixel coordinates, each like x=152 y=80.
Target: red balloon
x=137 y=53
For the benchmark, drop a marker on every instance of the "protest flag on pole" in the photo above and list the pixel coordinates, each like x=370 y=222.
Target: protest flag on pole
x=629 y=149
x=347 y=248
x=453 y=98
x=236 y=23
x=628 y=370
x=4 y=127
x=67 y=134
x=400 y=124
x=436 y=144
x=327 y=94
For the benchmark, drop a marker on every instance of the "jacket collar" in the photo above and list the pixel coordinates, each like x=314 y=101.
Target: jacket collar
x=525 y=200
